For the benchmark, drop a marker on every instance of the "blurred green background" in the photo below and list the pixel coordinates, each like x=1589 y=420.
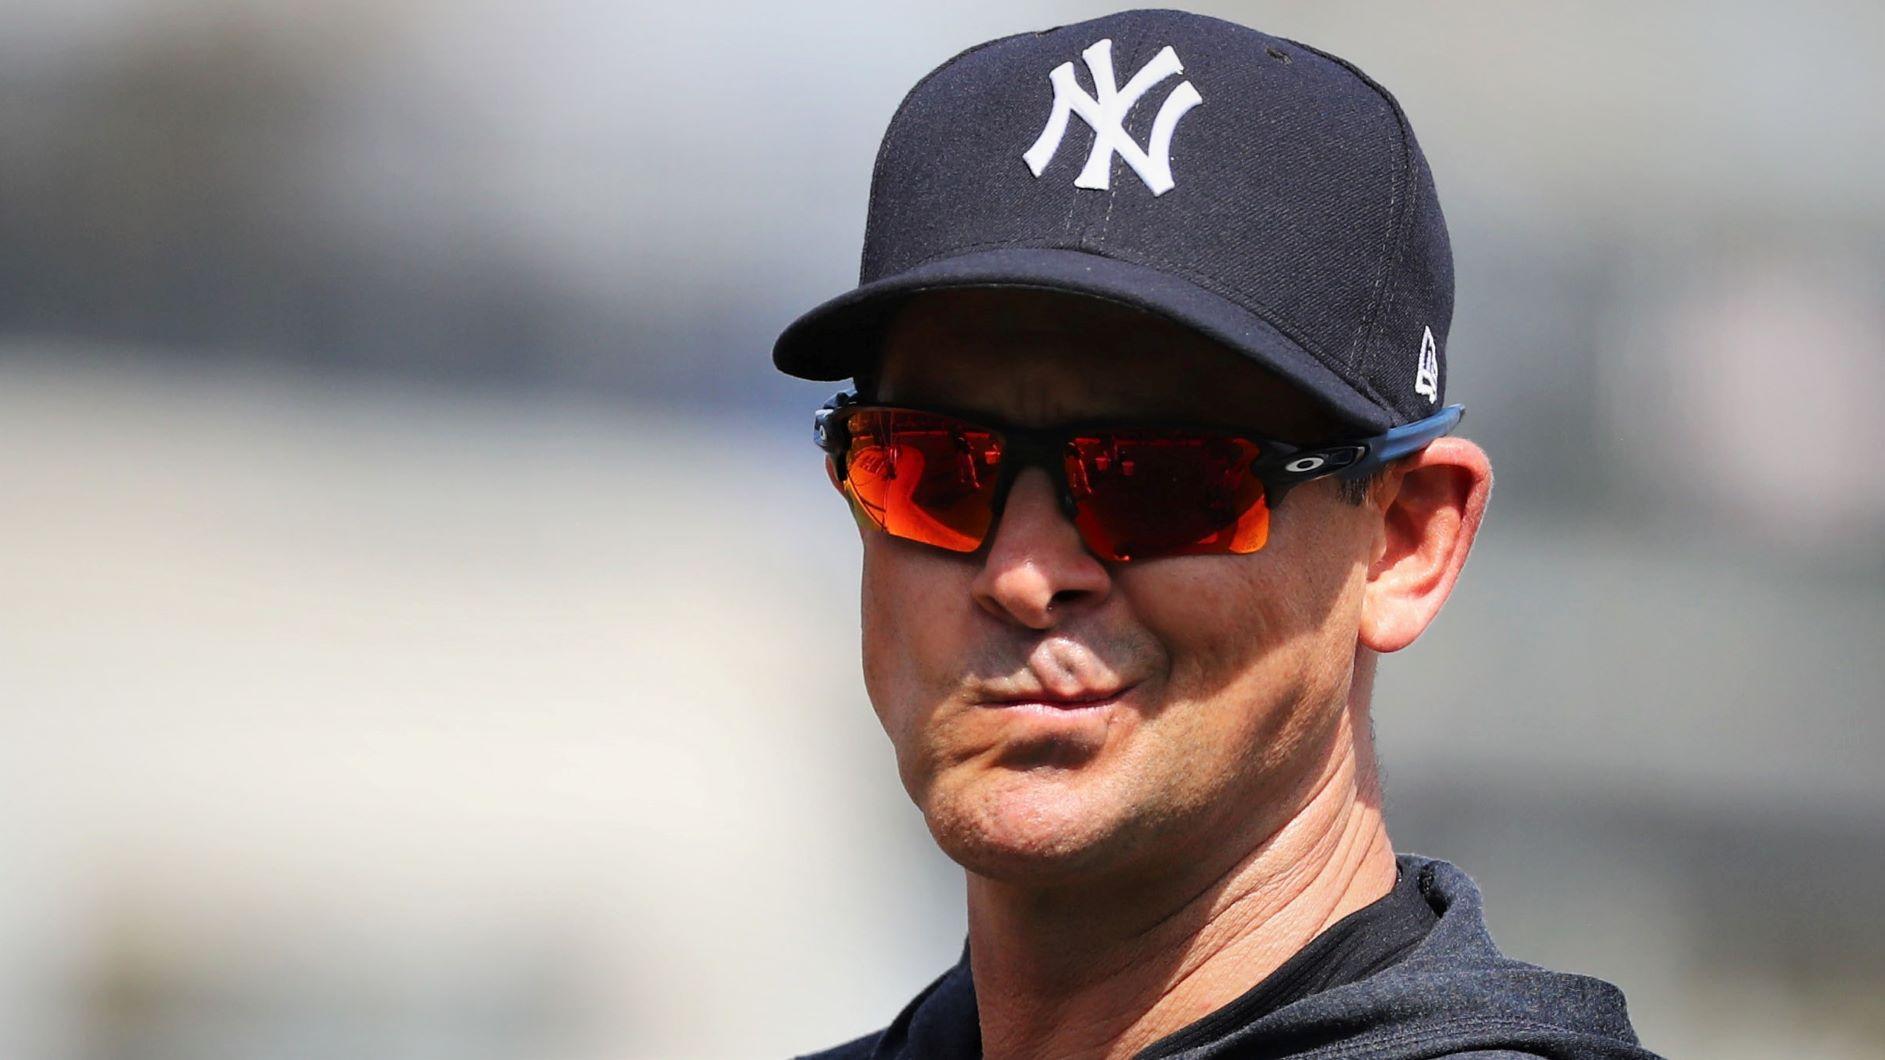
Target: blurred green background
x=427 y=631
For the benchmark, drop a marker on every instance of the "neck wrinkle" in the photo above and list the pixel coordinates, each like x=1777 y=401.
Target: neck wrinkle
x=1080 y=983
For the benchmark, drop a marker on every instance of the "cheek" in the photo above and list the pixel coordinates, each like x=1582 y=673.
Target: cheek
x=1224 y=626
x=911 y=623
x=1260 y=645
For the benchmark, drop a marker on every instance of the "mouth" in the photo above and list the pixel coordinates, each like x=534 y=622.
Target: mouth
x=1057 y=731
x=1049 y=703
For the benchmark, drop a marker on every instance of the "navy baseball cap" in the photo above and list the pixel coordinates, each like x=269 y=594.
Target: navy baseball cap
x=1259 y=191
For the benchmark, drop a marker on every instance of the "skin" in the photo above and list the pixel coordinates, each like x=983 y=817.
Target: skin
x=1158 y=775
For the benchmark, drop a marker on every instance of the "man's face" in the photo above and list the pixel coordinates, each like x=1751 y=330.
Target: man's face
x=1055 y=716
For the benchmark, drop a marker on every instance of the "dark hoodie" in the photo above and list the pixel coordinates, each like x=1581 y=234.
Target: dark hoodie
x=1449 y=994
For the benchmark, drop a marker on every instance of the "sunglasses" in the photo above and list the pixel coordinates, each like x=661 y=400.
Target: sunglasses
x=1133 y=492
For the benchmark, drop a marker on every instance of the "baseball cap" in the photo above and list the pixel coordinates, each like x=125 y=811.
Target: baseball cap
x=1257 y=190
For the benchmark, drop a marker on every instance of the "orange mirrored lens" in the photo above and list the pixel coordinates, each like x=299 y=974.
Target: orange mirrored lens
x=922 y=477
x=1149 y=493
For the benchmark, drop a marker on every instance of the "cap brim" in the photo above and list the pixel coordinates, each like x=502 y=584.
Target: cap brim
x=833 y=340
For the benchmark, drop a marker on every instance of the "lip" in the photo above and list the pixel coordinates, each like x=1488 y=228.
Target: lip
x=1048 y=703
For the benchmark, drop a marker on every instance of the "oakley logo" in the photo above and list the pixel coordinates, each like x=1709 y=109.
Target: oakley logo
x=1106 y=114
x=1427 y=375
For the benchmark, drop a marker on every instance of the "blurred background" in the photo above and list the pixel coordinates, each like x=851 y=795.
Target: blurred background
x=391 y=664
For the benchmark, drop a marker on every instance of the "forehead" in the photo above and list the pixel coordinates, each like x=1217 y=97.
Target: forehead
x=1041 y=357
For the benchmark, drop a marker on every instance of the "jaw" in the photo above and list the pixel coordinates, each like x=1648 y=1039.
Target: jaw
x=1023 y=825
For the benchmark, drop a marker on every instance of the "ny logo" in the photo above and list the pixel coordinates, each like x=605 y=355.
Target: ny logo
x=1106 y=113
x=1427 y=372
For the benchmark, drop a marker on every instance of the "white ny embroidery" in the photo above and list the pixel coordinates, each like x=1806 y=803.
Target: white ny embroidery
x=1107 y=112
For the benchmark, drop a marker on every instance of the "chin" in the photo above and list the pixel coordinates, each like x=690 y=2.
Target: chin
x=1039 y=826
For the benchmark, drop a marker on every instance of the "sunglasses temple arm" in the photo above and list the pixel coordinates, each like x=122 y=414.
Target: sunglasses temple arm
x=1408 y=438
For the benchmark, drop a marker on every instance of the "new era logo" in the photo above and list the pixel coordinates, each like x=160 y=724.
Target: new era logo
x=1427 y=374
x=1106 y=111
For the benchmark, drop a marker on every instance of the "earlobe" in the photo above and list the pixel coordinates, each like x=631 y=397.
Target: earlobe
x=1431 y=509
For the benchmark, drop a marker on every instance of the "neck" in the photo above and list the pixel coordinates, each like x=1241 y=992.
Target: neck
x=1105 y=970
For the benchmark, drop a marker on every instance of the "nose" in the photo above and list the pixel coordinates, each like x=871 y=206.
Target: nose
x=1038 y=571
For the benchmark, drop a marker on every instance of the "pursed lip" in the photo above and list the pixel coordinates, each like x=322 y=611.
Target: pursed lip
x=1081 y=699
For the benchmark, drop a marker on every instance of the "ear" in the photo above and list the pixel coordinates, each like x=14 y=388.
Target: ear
x=1431 y=505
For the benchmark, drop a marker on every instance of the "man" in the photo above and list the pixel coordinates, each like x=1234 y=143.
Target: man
x=1150 y=459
